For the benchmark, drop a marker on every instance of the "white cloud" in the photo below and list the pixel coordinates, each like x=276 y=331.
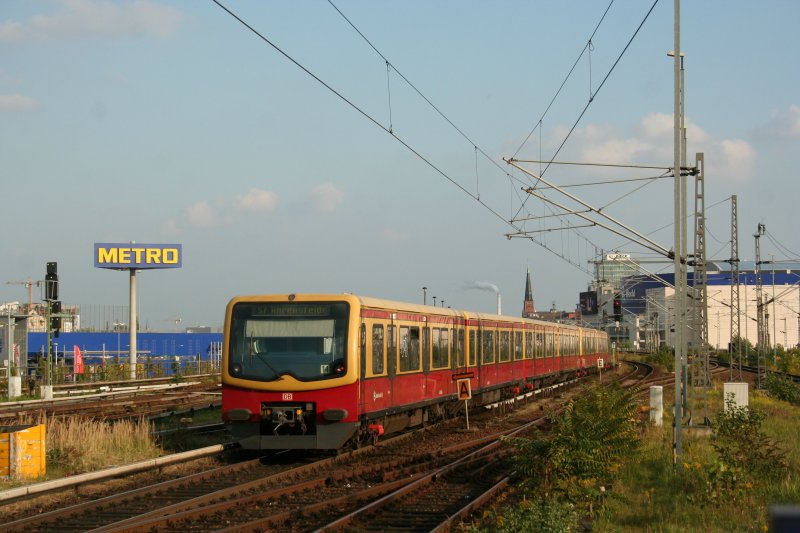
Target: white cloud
x=95 y=18
x=794 y=121
x=615 y=150
x=784 y=123
x=652 y=144
x=17 y=102
x=735 y=160
x=657 y=126
x=257 y=200
x=202 y=215
x=326 y=197
x=169 y=227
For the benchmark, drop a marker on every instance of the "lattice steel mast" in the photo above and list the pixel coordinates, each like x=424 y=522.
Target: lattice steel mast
x=700 y=381
x=736 y=339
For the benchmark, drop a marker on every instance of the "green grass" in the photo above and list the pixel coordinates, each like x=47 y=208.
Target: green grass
x=715 y=488
x=651 y=495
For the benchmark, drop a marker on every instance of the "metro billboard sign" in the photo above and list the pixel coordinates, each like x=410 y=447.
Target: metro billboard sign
x=125 y=256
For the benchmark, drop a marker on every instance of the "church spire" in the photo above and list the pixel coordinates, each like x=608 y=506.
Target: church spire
x=528 y=309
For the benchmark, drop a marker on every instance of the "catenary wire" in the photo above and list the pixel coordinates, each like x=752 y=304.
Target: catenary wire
x=366 y=115
x=564 y=82
x=784 y=249
x=453 y=125
x=586 y=107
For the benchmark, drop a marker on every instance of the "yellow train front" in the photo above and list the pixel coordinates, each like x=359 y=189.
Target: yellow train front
x=313 y=371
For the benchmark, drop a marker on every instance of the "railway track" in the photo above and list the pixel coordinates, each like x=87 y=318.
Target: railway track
x=754 y=370
x=434 y=474
x=116 y=405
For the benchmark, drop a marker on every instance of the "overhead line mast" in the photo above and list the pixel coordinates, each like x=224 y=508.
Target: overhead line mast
x=736 y=357
x=763 y=330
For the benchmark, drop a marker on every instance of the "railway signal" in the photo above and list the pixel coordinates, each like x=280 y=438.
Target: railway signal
x=51 y=281
x=55 y=318
x=617 y=307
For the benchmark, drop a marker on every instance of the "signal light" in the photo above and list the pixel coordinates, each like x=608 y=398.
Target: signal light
x=51 y=282
x=55 y=321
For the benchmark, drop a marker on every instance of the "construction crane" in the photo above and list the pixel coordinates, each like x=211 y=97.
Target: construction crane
x=29 y=284
x=176 y=320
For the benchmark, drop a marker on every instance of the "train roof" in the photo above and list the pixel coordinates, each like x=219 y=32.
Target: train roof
x=382 y=303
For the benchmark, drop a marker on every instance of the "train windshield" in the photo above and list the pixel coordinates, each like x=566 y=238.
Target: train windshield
x=304 y=340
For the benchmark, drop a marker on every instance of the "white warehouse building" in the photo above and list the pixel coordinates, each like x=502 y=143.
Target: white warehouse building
x=647 y=306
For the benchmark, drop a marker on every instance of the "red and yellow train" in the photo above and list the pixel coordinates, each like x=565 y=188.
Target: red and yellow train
x=317 y=371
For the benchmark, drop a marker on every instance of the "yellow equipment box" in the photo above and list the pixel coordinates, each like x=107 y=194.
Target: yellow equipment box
x=22 y=451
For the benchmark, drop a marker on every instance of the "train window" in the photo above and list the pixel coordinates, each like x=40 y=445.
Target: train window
x=517 y=345
x=409 y=348
x=539 y=344
x=505 y=345
x=487 y=345
x=377 y=349
x=548 y=344
x=528 y=345
x=441 y=348
x=472 y=348
x=266 y=343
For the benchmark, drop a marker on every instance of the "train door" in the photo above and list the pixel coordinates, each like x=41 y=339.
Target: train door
x=518 y=354
x=426 y=359
x=488 y=360
x=459 y=359
x=362 y=371
x=391 y=357
x=472 y=356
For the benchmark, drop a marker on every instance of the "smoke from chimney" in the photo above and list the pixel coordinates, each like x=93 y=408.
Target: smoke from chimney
x=486 y=286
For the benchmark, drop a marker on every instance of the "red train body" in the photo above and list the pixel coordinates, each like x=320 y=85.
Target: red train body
x=314 y=371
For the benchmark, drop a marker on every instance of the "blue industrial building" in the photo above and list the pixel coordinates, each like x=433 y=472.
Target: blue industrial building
x=183 y=345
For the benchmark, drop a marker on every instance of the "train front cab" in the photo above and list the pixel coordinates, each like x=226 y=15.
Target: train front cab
x=290 y=371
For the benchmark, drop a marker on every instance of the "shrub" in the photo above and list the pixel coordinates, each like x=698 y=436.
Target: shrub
x=743 y=447
x=664 y=357
x=535 y=515
x=588 y=442
x=782 y=387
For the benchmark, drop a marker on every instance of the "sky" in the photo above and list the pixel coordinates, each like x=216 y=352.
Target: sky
x=366 y=154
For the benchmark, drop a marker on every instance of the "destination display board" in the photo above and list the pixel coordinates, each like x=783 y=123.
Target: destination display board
x=137 y=256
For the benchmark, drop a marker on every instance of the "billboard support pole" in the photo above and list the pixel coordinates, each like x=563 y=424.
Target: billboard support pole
x=132 y=324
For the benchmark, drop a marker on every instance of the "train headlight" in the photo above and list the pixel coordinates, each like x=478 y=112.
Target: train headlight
x=298 y=411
